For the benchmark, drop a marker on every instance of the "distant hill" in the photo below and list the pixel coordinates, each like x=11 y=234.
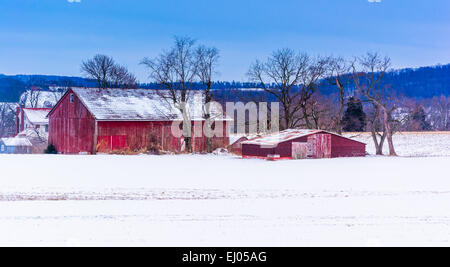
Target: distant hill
x=12 y=86
x=11 y=89
x=422 y=82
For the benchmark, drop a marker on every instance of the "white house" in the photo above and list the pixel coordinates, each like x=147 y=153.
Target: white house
x=32 y=118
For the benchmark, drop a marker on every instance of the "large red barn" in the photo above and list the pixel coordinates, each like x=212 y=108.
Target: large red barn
x=91 y=120
x=301 y=143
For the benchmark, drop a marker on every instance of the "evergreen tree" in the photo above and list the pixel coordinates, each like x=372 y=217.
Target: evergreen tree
x=51 y=149
x=354 y=119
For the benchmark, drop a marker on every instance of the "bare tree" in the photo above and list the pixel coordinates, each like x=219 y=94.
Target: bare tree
x=31 y=98
x=439 y=112
x=108 y=73
x=338 y=69
x=368 y=72
x=291 y=78
x=122 y=78
x=322 y=111
x=98 y=68
x=175 y=70
x=7 y=119
x=207 y=59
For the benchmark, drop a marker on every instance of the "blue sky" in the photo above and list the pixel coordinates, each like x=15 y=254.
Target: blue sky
x=54 y=36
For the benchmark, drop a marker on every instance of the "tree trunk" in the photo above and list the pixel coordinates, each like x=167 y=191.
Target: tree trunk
x=388 y=132
x=188 y=144
x=287 y=120
x=341 y=109
x=306 y=117
x=209 y=147
x=382 y=139
x=378 y=145
x=209 y=123
x=187 y=128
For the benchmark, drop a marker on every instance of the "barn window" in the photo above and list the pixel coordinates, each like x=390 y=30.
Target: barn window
x=71 y=98
x=3 y=148
x=46 y=128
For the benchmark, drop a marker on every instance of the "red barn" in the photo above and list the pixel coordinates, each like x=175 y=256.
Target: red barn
x=91 y=120
x=300 y=143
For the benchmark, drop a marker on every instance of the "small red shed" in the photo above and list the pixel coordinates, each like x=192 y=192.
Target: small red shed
x=91 y=120
x=301 y=143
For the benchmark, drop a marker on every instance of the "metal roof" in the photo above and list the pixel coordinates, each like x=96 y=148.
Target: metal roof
x=37 y=116
x=139 y=105
x=16 y=141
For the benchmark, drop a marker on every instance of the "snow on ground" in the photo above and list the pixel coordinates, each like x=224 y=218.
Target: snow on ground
x=206 y=200
x=411 y=144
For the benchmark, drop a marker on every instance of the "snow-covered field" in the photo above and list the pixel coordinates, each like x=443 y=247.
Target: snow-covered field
x=206 y=200
x=411 y=144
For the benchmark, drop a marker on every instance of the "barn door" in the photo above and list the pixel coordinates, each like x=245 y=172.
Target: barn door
x=299 y=150
x=111 y=142
x=320 y=146
x=118 y=142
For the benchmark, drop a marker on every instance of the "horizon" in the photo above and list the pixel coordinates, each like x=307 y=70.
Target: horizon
x=54 y=37
x=215 y=81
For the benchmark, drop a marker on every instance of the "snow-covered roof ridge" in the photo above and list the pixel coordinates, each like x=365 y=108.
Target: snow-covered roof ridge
x=137 y=104
x=287 y=135
x=37 y=116
x=16 y=141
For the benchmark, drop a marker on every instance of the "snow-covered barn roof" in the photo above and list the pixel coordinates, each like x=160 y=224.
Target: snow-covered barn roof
x=37 y=116
x=16 y=141
x=137 y=104
x=286 y=135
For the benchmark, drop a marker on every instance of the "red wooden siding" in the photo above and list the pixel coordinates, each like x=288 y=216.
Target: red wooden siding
x=135 y=135
x=138 y=135
x=71 y=127
x=343 y=147
x=114 y=142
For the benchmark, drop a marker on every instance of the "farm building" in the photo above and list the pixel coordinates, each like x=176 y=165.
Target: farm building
x=300 y=143
x=15 y=145
x=34 y=118
x=91 y=120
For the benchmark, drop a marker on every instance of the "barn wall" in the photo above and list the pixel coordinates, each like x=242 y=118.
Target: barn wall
x=142 y=135
x=134 y=136
x=343 y=147
x=283 y=149
x=252 y=150
x=71 y=127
